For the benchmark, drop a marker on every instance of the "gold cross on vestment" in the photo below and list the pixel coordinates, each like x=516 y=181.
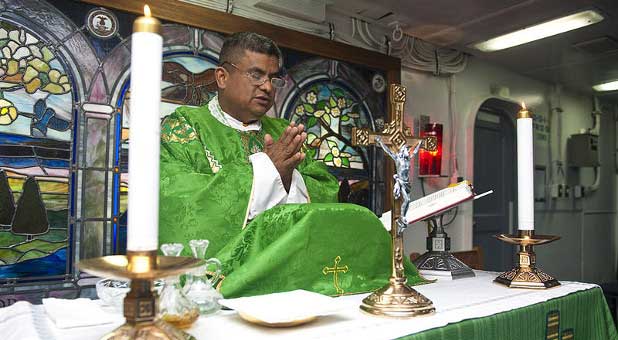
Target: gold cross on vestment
x=335 y=270
x=395 y=133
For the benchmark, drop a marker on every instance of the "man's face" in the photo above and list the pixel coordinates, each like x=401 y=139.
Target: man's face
x=238 y=85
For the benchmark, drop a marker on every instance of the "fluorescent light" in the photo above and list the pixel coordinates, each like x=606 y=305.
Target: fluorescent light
x=609 y=86
x=540 y=31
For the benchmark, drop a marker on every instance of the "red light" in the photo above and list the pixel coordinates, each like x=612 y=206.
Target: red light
x=430 y=162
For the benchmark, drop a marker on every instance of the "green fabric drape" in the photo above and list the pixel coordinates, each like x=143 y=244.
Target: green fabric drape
x=584 y=314
x=288 y=247
x=205 y=190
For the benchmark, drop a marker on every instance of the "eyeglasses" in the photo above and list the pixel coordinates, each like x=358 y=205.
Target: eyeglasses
x=258 y=79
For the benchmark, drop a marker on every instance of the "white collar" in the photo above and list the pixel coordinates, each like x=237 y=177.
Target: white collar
x=227 y=120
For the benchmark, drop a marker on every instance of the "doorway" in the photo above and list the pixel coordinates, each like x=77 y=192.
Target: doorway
x=495 y=169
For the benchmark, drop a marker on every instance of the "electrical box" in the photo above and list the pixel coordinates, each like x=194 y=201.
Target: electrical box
x=583 y=150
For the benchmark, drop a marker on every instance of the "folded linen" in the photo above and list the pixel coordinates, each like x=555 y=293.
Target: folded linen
x=20 y=321
x=66 y=313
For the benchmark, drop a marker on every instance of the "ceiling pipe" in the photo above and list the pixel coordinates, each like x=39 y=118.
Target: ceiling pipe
x=596 y=123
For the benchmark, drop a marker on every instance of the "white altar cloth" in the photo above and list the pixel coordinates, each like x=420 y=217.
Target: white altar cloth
x=454 y=300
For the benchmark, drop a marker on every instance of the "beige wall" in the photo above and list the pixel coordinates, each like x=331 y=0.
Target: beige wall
x=579 y=221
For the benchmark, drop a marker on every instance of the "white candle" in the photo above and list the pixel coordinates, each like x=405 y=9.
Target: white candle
x=525 y=170
x=144 y=135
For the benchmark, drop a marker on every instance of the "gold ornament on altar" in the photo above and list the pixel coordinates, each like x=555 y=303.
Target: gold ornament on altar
x=526 y=274
x=397 y=298
x=395 y=133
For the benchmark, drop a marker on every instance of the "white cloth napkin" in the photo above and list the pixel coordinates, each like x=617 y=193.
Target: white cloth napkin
x=77 y=313
x=19 y=321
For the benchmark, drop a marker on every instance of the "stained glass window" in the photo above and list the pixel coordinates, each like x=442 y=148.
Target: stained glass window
x=329 y=112
x=64 y=131
x=330 y=98
x=36 y=114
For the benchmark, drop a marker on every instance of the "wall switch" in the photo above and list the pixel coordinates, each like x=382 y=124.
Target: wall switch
x=578 y=191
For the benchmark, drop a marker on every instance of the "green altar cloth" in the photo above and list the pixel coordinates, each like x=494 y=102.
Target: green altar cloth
x=205 y=190
x=582 y=315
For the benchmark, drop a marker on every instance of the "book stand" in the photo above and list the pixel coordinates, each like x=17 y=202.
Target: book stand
x=438 y=262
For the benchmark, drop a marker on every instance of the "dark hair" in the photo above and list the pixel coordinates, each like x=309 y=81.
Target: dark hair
x=235 y=44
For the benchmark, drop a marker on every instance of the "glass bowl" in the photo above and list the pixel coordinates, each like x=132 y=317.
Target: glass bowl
x=112 y=292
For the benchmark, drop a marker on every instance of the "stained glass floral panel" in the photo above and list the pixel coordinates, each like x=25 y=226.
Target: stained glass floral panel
x=329 y=112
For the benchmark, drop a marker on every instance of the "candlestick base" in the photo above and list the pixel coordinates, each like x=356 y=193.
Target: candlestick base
x=525 y=274
x=397 y=299
x=156 y=330
x=140 y=304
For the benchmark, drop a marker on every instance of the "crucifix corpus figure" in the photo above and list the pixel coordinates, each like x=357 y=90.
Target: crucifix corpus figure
x=401 y=188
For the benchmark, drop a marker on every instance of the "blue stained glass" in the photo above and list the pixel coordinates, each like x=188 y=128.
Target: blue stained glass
x=50 y=265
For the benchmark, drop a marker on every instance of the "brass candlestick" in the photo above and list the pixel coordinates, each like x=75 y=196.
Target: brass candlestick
x=397 y=298
x=140 y=304
x=526 y=274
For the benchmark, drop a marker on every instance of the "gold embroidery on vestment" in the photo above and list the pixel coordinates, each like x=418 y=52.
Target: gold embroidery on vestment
x=336 y=270
x=215 y=166
x=177 y=130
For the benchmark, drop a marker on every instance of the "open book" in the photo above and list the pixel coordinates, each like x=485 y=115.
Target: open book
x=439 y=201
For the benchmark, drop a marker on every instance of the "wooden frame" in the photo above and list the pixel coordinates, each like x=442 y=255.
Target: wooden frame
x=205 y=18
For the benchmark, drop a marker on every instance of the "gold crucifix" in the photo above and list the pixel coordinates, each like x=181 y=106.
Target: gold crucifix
x=397 y=298
x=335 y=270
x=395 y=134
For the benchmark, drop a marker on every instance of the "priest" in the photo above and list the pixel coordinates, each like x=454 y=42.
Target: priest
x=246 y=182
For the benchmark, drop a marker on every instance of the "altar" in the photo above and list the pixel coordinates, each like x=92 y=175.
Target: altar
x=470 y=308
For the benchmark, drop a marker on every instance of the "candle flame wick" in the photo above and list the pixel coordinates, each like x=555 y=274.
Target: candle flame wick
x=147 y=11
x=523 y=105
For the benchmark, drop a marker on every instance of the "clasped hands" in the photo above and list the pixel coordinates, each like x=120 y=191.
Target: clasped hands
x=286 y=153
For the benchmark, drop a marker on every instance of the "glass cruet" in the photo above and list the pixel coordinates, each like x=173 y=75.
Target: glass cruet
x=198 y=286
x=174 y=307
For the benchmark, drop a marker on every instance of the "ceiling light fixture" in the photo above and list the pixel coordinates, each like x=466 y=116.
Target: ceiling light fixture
x=609 y=86
x=540 y=31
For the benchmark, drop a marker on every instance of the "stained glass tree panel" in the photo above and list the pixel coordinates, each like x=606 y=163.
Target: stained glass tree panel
x=36 y=112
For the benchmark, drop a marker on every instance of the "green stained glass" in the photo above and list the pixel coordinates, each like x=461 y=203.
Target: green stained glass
x=26 y=62
x=329 y=112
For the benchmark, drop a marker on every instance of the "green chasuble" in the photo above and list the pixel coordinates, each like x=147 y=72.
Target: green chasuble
x=205 y=191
